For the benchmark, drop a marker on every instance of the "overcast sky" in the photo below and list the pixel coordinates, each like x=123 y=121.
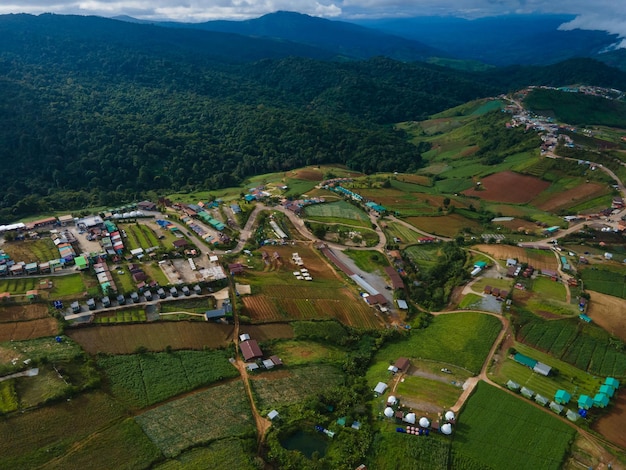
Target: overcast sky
x=608 y=15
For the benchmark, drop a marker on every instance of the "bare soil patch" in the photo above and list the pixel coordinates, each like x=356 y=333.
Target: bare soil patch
x=21 y=330
x=268 y=331
x=609 y=312
x=125 y=339
x=611 y=425
x=510 y=187
x=570 y=197
x=416 y=179
x=307 y=174
x=538 y=259
x=23 y=312
x=520 y=225
x=445 y=225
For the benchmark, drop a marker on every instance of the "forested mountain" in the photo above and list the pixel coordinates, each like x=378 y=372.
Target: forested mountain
x=336 y=37
x=96 y=111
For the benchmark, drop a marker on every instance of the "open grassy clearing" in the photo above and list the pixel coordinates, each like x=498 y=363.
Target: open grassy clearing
x=480 y=284
x=297 y=187
x=121 y=446
x=539 y=259
x=463 y=339
x=549 y=288
x=424 y=255
x=8 y=397
x=278 y=388
x=126 y=339
x=47 y=433
x=41 y=250
x=139 y=380
x=569 y=378
x=468 y=300
x=447 y=226
x=39 y=350
x=63 y=287
x=338 y=212
x=154 y=272
x=423 y=390
x=368 y=261
x=300 y=352
x=132 y=315
x=124 y=281
x=19 y=285
x=225 y=454
x=217 y=413
x=496 y=429
x=405 y=234
x=188 y=305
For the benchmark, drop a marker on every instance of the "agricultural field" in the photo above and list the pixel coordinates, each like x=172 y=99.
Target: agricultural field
x=568 y=378
x=301 y=352
x=278 y=388
x=70 y=286
x=140 y=236
x=608 y=312
x=21 y=285
x=368 y=261
x=341 y=212
x=423 y=255
x=217 y=413
x=269 y=331
x=47 y=433
x=122 y=445
x=406 y=235
x=508 y=187
x=447 y=226
x=41 y=250
x=31 y=329
x=22 y=312
x=481 y=283
x=188 y=305
x=8 y=397
x=605 y=281
x=539 y=259
x=569 y=192
x=140 y=380
x=133 y=315
x=223 y=454
x=126 y=339
x=496 y=429
x=546 y=298
x=397 y=451
x=463 y=339
x=587 y=347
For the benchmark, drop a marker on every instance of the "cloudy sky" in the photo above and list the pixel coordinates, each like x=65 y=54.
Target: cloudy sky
x=608 y=15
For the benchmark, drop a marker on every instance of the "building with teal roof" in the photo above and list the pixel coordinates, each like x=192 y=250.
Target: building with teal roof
x=585 y=402
x=613 y=382
x=562 y=397
x=607 y=390
x=600 y=400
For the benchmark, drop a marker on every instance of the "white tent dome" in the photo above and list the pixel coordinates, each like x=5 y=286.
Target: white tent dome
x=446 y=429
x=410 y=418
x=424 y=422
x=392 y=400
x=388 y=412
x=449 y=415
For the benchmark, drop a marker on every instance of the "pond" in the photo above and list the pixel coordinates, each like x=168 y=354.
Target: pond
x=306 y=442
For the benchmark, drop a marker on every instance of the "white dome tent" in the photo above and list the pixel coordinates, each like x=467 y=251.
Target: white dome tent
x=409 y=418
x=392 y=400
x=449 y=415
x=424 y=422
x=388 y=412
x=446 y=429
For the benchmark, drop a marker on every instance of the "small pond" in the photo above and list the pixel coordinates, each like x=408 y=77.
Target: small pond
x=306 y=442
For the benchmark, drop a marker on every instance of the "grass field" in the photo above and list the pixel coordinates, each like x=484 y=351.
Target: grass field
x=605 y=281
x=448 y=226
x=133 y=315
x=463 y=339
x=67 y=286
x=51 y=432
x=140 y=236
x=41 y=250
x=139 y=380
x=284 y=387
x=569 y=378
x=424 y=255
x=19 y=285
x=217 y=413
x=341 y=212
x=126 y=339
x=549 y=288
x=497 y=429
x=405 y=234
x=301 y=352
x=368 y=261
x=396 y=451
x=433 y=392
x=154 y=272
x=225 y=454
x=8 y=397
x=479 y=285
x=46 y=349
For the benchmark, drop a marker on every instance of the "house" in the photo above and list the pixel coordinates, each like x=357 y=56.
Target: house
x=180 y=243
x=276 y=360
x=569 y=414
x=81 y=262
x=147 y=295
x=146 y=206
x=75 y=307
x=378 y=299
x=268 y=364
x=607 y=390
x=487 y=289
x=396 y=280
x=380 y=388
x=186 y=291
x=272 y=415
x=601 y=400
x=252 y=366
x=250 y=350
x=562 y=397
x=495 y=292
x=106 y=301
x=244 y=337
x=134 y=297
x=613 y=382
x=197 y=289
x=66 y=219
x=235 y=268
x=121 y=300
x=402 y=364
x=31 y=268
x=585 y=402
x=402 y=305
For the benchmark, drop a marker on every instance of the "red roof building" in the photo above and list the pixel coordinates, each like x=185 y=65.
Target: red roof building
x=250 y=350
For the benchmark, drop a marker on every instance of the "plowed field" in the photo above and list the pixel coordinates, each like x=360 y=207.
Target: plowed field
x=609 y=312
x=510 y=187
x=538 y=259
x=570 y=197
x=21 y=330
x=23 y=312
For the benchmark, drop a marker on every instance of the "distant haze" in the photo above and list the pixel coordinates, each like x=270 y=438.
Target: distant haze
x=604 y=15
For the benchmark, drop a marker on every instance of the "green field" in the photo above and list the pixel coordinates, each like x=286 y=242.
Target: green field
x=302 y=352
x=65 y=286
x=154 y=272
x=548 y=288
x=497 y=429
x=368 y=261
x=217 y=413
x=568 y=377
x=423 y=255
x=40 y=250
x=271 y=392
x=139 y=380
x=405 y=234
x=187 y=305
x=587 y=346
x=435 y=392
x=8 y=397
x=605 y=281
x=225 y=454
x=121 y=316
x=463 y=339
x=341 y=212
x=479 y=285
x=140 y=236
x=396 y=451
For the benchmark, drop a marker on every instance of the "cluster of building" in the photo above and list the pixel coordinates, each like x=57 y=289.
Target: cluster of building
x=299 y=204
x=253 y=355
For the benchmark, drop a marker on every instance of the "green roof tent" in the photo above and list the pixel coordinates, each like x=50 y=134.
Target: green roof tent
x=525 y=360
x=585 y=402
x=612 y=382
x=480 y=264
x=562 y=397
x=607 y=390
x=81 y=262
x=600 y=400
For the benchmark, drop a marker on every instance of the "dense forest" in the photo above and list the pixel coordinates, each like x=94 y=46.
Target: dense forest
x=96 y=111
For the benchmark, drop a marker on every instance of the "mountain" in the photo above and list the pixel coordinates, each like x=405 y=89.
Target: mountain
x=338 y=37
x=500 y=40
